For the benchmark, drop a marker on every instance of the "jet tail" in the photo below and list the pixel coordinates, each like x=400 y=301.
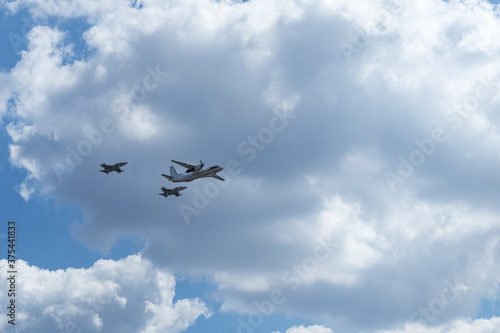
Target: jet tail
x=173 y=173
x=166 y=176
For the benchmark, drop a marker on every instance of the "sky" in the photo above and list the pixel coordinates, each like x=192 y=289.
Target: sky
x=359 y=142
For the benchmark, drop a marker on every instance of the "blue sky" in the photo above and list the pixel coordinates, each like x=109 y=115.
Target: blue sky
x=360 y=148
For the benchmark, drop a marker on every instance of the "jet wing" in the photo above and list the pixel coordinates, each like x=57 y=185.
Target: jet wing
x=218 y=177
x=186 y=165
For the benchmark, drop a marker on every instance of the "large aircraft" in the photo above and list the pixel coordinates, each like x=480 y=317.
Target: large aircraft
x=114 y=167
x=175 y=191
x=193 y=172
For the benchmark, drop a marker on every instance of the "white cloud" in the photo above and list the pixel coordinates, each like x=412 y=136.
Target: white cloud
x=309 y=329
x=458 y=326
x=367 y=83
x=106 y=297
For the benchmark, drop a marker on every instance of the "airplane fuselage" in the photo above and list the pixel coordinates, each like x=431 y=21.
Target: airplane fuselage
x=114 y=167
x=175 y=191
x=209 y=172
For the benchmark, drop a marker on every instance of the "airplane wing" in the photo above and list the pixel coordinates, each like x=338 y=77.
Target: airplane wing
x=186 y=165
x=218 y=177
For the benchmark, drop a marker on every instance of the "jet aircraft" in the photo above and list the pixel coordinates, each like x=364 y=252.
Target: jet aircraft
x=175 y=191
x=193 y=172
x=115 y=167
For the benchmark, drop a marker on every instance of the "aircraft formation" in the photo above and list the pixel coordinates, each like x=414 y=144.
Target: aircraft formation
x=192 y=172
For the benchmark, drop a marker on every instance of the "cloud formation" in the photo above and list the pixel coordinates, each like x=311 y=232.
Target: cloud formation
x=308 y=329
x=362 y=139
x=110 y=296
x=458 y=326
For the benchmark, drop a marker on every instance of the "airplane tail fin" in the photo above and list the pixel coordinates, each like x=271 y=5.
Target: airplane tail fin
x=166 y=176
x=173 y=173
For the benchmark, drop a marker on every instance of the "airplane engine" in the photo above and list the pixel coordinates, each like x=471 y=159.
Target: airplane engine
x=196 y=167
x=199 y=166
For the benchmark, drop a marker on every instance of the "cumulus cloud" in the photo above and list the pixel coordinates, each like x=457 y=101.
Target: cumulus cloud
x=309 y=329
x=362 y=141
x=111 y=295
x=457 y=326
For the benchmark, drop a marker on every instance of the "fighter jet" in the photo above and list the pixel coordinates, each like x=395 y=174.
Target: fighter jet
x=175 y=191
x=193 y=172
x=114 y=167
